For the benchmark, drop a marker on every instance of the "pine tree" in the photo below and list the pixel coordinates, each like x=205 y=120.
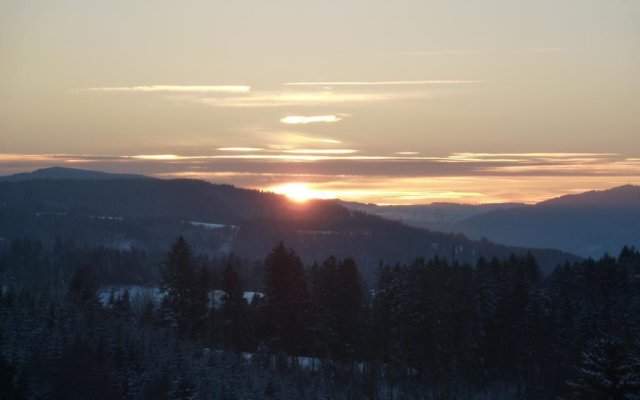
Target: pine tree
x=234 y=310
x=122 y=305
x=381 y=315
x=182 y=389
x=83 y=288
x=337 y=304
x=286 y=299
x=608 y=372
x=186 y=297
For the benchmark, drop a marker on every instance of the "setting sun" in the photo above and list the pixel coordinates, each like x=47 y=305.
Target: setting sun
x=298 y=192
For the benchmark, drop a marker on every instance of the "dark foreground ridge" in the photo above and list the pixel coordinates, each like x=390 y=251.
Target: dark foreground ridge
x=427 y=330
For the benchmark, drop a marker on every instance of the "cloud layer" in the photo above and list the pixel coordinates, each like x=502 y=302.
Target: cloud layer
x=384 y=83
x=301 y=119
x=173 y=89
x=290 y=94
x=393 y=178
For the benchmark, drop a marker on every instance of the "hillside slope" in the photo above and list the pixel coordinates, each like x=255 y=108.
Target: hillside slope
x=67 y=173
x=588 y=224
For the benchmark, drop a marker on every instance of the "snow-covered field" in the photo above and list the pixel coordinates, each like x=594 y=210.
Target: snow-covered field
x=143 y=294
x=210 y=225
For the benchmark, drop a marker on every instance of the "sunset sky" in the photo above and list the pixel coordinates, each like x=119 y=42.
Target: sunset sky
x=391 y=102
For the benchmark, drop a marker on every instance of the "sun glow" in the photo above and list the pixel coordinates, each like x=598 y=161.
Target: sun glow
x=298 y=192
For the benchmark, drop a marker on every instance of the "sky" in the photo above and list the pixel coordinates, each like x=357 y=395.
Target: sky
x=388 y=102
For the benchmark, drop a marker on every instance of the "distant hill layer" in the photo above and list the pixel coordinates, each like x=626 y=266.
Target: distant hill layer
x=441 y=217
x=587 y=224
x=67 y=173
x=217 y=219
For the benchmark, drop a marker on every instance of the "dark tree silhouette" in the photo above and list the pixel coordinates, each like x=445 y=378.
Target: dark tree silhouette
x=337 y=304
x=234 y=310
x=608 y=371
x=186 y=298
x=286 y=299
x=83 y=288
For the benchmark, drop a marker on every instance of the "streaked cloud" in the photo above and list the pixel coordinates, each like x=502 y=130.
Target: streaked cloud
x=292 y=94
x=300 y=119
x=529 y=157
x=280 y=139
x=423 y=190
x=363 y=176
x=549 y=50
x=11 y=158
x=285 y=140
x=300 y=155
x=159 y=157
x=241 y=149
x=534 y=155
x=463 y=52
x=449 y=52
x=202 y=89
x=365 y=189
x=320 y=151
x=304 y=98
x=349 y=161
x=462 y=189
x=384 y=83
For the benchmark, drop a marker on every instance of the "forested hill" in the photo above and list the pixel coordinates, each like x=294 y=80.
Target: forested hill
x=589 y=224
x=429 y=330
x=67 y=173
x=218 y=219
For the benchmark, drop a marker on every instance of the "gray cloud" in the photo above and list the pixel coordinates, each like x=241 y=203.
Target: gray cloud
x=397 y=178
x=339 y=161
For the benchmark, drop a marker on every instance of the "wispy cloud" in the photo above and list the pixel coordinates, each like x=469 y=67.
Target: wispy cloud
x=539 y=154
x=161 y=157
x=463 y=52
x=308 y=98
x=531 y=158
x=306 y=155
x=384 y=83
x=393 y=179
x=173 y=89
x=300 y=119
x=320 y=151
x=549 y=50
x=255 y=135
x=291 y=95
x=449 y=52
x=240 y=149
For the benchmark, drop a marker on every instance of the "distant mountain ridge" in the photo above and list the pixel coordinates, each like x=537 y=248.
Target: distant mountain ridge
x=217 y=219
x=438 y=216
x=620 y=196
x=588 y=224
x=68 y=173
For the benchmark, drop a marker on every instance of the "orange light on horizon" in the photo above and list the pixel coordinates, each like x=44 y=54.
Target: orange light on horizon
x=301 y=192
x=298 y=192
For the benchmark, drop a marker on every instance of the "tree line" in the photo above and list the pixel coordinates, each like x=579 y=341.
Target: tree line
x=430 y=330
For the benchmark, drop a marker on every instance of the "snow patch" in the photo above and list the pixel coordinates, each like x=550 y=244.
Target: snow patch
x=151 y=293
x=208 y=225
